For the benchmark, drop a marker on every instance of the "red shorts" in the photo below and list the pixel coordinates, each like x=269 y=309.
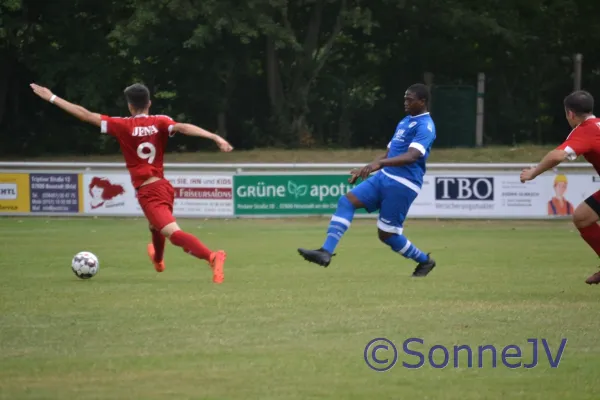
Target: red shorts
x=594 y=202
x=156 y=200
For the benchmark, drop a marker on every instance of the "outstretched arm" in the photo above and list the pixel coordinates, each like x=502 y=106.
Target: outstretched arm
x=578 y=143
x=551 y=160
x=73 y=109
x=193 y=130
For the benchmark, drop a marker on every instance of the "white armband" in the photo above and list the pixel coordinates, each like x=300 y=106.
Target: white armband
x=571 y=154
x=419 y=147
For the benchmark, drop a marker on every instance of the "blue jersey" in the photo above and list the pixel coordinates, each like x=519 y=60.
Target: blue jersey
x=417 y=132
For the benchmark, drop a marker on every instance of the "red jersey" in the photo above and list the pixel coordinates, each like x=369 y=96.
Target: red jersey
x=143 y=141
x=584 y=141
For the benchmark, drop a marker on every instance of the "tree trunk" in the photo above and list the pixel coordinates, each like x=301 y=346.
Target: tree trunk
x=291 y=112
x=5 y=76
x=301 y=133
x=345 y=132
x=222 y=123
x=228 y=78
x=274 y=86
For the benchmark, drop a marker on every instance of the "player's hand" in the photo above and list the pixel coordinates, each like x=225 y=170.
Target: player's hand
x=527 y=175
x=224 y=145
x=354 y=174
x=368 y=169
x=41 y=91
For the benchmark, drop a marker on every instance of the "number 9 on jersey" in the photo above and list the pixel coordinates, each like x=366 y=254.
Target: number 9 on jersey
x=146 y=151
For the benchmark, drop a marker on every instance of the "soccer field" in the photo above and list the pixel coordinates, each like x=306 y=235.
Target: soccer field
x=281 y=328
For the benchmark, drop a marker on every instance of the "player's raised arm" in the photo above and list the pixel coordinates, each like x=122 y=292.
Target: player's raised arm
x=193 y=130
x=550 y=160
x=576 y=144
x=73 y=109
x=579 y=106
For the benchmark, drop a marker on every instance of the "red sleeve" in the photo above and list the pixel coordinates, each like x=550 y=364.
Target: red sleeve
x=166 y=124
x=577 y=143
x=113 y=126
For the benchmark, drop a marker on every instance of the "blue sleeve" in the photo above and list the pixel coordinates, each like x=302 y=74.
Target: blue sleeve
x=424 y=137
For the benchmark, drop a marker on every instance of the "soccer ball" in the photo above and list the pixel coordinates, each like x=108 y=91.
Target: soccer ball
x=85 y=265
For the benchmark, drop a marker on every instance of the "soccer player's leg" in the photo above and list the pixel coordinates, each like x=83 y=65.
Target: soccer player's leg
x=390 y=225
x=193 y=246
x=156 y=249
x=585 y=218
x=365 y=195
x=157 y=205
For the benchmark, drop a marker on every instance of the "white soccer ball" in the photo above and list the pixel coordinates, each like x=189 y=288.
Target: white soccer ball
x=85 y=265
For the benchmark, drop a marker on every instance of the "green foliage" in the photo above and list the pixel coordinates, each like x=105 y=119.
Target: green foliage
x=288 y=74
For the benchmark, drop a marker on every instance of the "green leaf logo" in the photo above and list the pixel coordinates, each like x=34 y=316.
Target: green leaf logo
x=292 y=188
x=296 y=190
x=301 y=190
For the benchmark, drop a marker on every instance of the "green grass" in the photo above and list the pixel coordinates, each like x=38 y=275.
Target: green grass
x=486 y=154
x=280 y=328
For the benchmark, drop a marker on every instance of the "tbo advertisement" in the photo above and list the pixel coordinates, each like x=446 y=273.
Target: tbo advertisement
x=14 y=193
x=502 y=195
x=195 y=195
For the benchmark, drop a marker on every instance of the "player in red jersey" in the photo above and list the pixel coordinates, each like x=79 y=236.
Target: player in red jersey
x=584 y=140
x=143 y=140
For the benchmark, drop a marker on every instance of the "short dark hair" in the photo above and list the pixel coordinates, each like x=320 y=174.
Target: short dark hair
x=138 y=96
x=580 y=102
x=420 y=90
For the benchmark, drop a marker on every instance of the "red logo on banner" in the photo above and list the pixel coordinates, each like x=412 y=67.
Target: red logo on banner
x=102 y=190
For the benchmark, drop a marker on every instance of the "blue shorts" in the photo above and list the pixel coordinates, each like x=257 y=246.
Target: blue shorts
x=391 y=198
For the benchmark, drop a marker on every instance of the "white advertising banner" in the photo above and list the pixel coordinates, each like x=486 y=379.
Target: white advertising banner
x=195 y=195
x=502 y=195
x=202 y=195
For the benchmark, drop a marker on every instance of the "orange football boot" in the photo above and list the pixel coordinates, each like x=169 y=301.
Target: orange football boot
x=159 y=266
x=217 y=262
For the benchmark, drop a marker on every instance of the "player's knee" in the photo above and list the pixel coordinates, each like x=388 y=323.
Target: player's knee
x=351 y=200
x=581 y=220
x=170 y=229
x=384 y=236
x=578 y=221
x=584 y=216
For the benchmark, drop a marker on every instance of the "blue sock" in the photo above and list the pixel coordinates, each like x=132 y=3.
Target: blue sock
x=339 y=224
x=400 y=244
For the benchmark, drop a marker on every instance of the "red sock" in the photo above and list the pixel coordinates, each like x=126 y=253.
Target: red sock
x=158 y=240
x=591 y=234
x=190 y=244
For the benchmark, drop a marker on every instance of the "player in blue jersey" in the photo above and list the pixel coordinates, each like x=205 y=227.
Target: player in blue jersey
x=392 y=189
